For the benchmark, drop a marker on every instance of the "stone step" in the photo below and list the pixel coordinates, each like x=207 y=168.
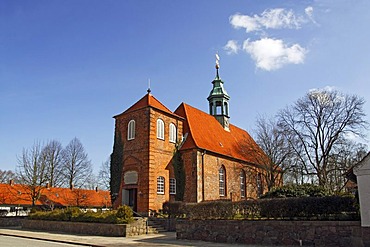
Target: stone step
x=156 y=225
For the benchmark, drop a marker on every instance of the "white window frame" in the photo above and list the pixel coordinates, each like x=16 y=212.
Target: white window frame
x=222 y=181
x=160 y=129
x=242 y=184
x=131 y=130
x=173 y=133
x=172 y=186
x=160 y=185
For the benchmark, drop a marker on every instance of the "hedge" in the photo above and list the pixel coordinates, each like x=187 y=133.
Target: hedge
x=122 y=215
x=304 y=208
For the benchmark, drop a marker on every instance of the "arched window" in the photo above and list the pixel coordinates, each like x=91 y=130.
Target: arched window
x=131 y=130
x=222 y=181
x=173 y=133
x=259 y=184
x=242 y=184
x=172 y=186
x=160 y=129
x=160 y=185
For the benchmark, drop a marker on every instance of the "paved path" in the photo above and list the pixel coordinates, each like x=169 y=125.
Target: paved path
x=163 y=239
x=8 y=241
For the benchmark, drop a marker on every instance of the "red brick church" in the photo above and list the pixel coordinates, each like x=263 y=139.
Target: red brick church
x=161 y=155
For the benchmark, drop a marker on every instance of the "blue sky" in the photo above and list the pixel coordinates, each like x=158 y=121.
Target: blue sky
x=67 y=67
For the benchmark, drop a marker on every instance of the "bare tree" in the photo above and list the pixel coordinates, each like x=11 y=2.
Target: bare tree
x=276 y=147
x=32 y=171
x=315 y=125
x=91 y=182
x=52 y=153
x=345 y=155
x=104 y=175
x=6 y=176
x=76 y=166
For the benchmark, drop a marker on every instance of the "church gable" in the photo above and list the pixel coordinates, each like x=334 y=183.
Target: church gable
x=147 y=101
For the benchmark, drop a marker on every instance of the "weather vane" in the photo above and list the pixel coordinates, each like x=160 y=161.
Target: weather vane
x=217 y=61
x=149 y=86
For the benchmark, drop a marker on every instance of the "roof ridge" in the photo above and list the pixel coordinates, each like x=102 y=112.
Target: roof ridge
x=190 y=127
x=152 y=96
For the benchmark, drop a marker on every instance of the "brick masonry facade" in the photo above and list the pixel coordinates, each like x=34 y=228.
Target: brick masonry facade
x=146 y=158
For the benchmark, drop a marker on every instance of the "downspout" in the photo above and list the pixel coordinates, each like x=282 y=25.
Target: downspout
x=203 y=153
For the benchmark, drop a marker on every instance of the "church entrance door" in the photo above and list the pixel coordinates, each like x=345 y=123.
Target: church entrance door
x=129 y=198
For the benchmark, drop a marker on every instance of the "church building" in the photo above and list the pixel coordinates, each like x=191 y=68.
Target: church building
x=185 y=155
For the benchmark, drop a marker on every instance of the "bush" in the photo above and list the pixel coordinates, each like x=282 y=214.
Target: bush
x=174 y=209
x=299 y=208
x=121 y=216
x=297 y=190
x=124 y=214
x=210 y=210
x=72 y=212
x=309 y=207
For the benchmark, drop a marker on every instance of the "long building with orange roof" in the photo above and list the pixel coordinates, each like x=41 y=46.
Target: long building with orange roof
x=187 y=155
x=19 y=195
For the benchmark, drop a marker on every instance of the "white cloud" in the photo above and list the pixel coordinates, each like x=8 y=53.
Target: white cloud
x=244 y=21
x=327 y=95
x=271 y=54
x=309 y=13
x=232 y=47
x=326 y=88
x=269 y=19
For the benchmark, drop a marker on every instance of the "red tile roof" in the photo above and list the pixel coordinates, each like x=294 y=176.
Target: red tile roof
x=18 y=194
x=205 y=132
x=148 y=100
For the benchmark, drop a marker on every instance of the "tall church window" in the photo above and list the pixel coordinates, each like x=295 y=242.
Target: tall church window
x=242 y=184
x=259 y=185
x=172 y=133
x=172 y=186
x=160 y=129
x=160 y=185
x=222 y=181
x=131 y=130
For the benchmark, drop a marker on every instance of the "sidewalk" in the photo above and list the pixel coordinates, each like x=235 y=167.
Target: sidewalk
x=162 y=239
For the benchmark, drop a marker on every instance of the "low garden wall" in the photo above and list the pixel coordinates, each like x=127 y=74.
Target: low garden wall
x=11 y=221
x=284 y=233
x=117 y=230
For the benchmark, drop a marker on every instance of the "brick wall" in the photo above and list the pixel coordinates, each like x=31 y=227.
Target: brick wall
x=161 y=153
x=147 y=155
x=196 y=161
x=283 y=233
x=135 y=154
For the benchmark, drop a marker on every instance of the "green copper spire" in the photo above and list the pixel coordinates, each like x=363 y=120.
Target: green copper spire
x=219 y=99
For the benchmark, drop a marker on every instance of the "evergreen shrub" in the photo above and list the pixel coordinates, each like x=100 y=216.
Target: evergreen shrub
x=297 y=190
x=290 y=208
x=122 y=215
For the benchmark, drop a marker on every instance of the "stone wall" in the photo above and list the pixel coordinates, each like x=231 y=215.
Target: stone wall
x=284 y=233
x=11 y=221
x=100 y=229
